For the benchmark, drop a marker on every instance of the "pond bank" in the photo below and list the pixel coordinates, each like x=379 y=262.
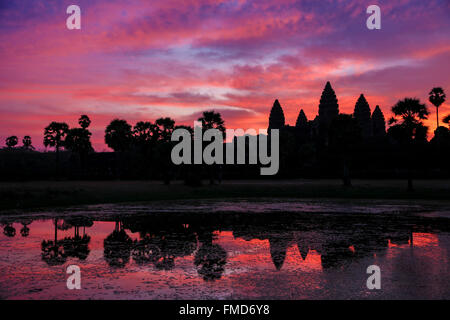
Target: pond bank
x=42 y=194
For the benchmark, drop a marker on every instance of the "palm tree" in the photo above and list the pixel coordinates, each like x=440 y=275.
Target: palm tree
x=165 y=127
x=410 y=129
x=84 y=121
x=411 y=113
x=118 y=135
x=27 y=145
x=54 y=136
x=212 y=120
x=145 y=133
x=437 y=97
x=78 y=141
x=145 y=137
x=11 y=141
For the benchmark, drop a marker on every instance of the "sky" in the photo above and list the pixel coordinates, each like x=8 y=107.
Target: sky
x=141 y=60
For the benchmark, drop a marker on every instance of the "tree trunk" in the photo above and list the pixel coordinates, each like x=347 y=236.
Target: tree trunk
x=437 y=117
x=56 y=230
x=410 y=167
x=57 y=162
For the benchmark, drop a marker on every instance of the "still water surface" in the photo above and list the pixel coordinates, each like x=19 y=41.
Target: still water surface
x=251 y=251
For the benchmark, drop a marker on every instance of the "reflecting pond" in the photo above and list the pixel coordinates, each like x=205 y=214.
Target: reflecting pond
x=306 y=252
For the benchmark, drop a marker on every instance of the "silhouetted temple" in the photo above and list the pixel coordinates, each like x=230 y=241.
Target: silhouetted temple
x=371 y=125
x=362 y=116
x=302 y=121
x=378 y=123
x=328 y=108
x=276 y=118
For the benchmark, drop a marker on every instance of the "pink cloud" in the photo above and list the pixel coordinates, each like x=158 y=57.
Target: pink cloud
x=141 y=60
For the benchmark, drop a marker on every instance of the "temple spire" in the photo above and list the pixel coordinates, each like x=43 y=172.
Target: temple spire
x=378 y=123
x=302 y=121
x=276 y=118
x=328 y=110
x=362 y=116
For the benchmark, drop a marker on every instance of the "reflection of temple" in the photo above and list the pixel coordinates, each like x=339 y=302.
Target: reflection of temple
x=278 y=246
x=337 y=239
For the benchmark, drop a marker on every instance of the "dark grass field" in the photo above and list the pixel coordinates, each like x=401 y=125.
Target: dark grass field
x=39 y=194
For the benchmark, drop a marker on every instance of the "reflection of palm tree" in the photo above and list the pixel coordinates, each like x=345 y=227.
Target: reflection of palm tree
x=176 y=244
x=25 y=231
x=146 y=250
x=278 y=247
x=117 y=247
x=77 y=246
x=53 y=251
x=180 y=243
x=210 y=261
x=166 y=262
x=162 y=248
x=9 y=230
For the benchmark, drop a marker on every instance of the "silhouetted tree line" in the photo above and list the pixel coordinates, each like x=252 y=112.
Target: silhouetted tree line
x=331 y=145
